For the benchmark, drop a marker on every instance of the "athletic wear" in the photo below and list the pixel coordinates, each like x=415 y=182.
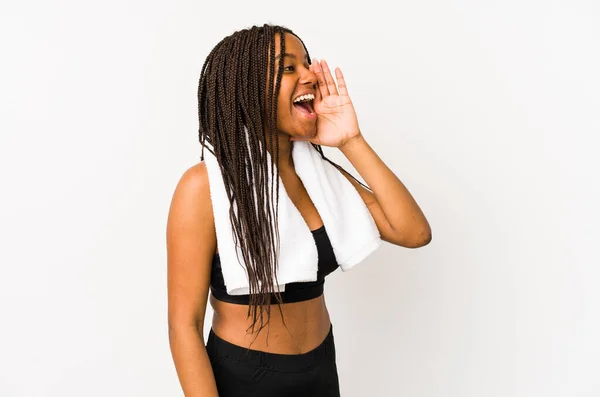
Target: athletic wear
x=253 y=373
x=294 y=292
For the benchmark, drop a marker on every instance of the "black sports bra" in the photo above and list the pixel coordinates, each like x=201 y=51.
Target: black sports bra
x=294 y=292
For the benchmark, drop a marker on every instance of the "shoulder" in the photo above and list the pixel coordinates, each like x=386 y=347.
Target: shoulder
x=193 y=185
x=191 y=203
x=194 y=178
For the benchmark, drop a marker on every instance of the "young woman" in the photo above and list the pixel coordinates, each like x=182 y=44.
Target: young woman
x=257 y=78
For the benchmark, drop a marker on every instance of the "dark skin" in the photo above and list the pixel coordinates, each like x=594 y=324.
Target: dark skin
x=398 y=217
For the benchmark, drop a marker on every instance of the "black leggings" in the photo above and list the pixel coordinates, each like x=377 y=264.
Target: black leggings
x=249 y=373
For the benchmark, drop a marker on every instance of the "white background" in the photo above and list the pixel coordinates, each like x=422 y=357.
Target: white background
x=487 y=111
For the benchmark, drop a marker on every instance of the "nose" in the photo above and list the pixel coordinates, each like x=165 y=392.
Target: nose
x=308 y=77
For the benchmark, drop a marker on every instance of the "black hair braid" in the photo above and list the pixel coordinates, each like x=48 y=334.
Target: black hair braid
x=237 y=109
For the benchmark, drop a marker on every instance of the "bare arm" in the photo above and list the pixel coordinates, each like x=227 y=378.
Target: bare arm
x=191 y=242
x=398 y=216
x=395 y=211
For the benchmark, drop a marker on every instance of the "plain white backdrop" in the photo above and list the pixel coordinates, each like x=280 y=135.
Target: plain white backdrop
x=488 y=111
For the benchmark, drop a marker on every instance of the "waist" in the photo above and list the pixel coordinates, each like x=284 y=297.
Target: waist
x=306 y=325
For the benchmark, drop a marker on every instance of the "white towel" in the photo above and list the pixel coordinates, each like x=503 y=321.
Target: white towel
x=347 y=220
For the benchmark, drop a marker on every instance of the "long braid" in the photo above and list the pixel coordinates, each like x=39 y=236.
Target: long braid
x=232 y=89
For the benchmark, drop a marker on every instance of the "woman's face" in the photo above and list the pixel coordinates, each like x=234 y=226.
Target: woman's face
x=298 y=120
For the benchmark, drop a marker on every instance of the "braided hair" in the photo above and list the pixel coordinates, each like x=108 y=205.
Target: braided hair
x=237 y=110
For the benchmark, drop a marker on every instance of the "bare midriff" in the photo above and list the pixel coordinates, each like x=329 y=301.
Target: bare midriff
x=306 y=326
x=306 y=323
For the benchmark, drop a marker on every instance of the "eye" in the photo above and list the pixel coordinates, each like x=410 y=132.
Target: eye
x=289 y=67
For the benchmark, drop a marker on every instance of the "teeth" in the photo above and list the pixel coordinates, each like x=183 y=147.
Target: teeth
x=303 y=98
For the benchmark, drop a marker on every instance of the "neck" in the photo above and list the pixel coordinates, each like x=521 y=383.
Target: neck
x=286 y=163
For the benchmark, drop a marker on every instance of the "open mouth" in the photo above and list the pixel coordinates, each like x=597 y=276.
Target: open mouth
x=304 y=103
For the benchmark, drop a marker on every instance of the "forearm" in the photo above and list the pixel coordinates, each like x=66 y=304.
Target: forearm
x=191 y=362
x=400 y=208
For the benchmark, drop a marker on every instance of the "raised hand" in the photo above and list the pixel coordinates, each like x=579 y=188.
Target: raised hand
x=337 y=122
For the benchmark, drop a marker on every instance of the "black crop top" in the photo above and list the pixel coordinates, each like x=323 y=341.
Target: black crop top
x=294 y=292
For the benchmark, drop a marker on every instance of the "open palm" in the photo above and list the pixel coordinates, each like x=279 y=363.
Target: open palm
x=336 y=117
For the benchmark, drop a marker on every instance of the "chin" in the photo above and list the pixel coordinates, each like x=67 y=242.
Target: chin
x=302 y=132
x=309 y=131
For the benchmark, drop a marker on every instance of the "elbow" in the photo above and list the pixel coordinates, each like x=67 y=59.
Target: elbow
x=183 y=329
x=421 y=239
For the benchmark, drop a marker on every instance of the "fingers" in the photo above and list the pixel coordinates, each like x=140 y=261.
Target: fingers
x=341 y=82
x=323 y=89
x=327 y=85
x=328 y=78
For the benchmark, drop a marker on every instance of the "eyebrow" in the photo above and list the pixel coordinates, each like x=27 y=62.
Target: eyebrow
x=287 y=54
